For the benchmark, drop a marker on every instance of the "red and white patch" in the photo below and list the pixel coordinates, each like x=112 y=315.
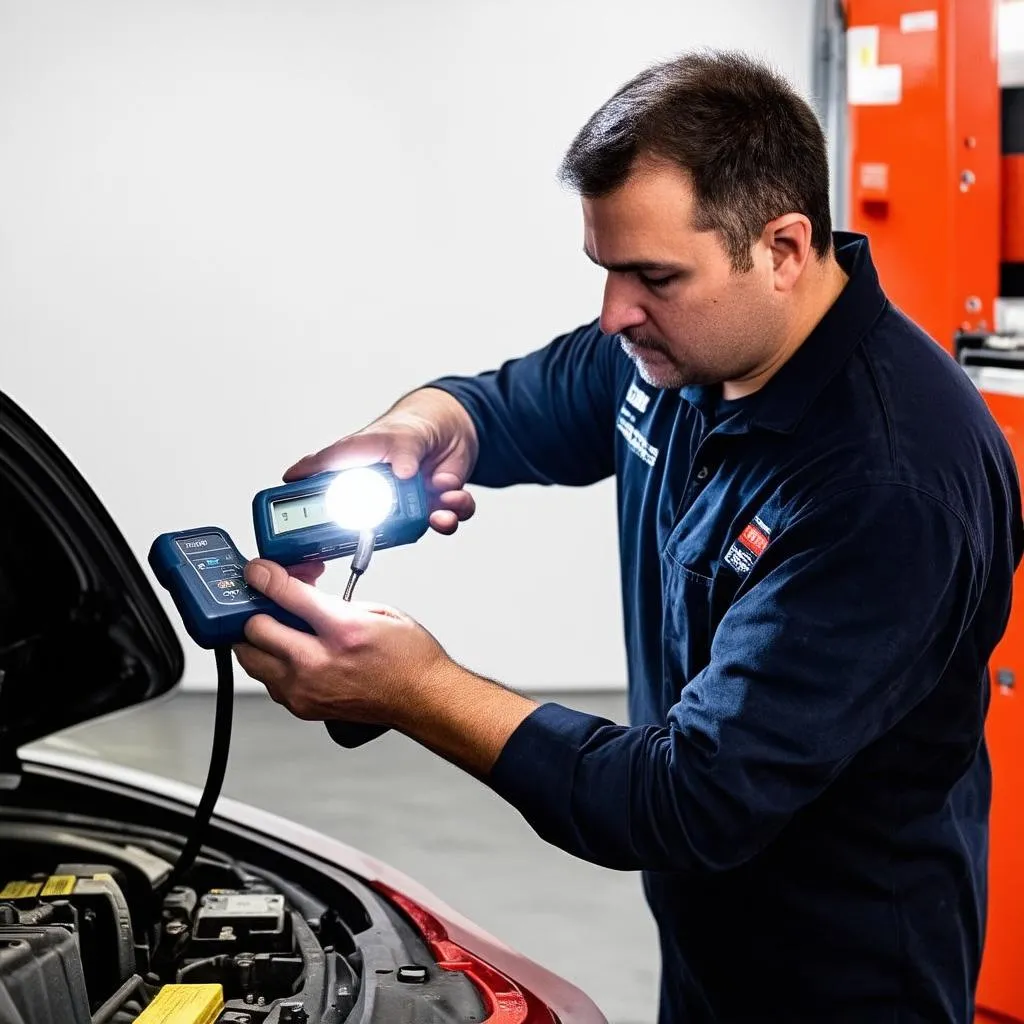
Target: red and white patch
x=754 y=539
x=749 y=546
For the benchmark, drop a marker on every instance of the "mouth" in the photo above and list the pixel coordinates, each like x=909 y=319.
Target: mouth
x=646 y=345
x=645 y=350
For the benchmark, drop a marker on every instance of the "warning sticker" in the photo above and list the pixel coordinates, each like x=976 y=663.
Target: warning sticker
x=880 y=86
x=20 y=890
x=919 y=21
x=59 y=885
x=184 y=1004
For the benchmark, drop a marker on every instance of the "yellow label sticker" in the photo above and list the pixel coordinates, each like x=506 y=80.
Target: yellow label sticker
x=20 y=890
x=184 y=1004
x=59 y=885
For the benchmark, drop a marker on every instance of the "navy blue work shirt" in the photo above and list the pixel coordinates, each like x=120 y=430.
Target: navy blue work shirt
x=813 y=580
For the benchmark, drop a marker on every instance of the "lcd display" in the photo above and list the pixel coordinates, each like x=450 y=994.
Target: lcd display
x=299 y=513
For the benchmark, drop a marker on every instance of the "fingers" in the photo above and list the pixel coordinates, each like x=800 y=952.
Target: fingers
x=292 y=594
x=402 y=452
x=445 y=523
x=261 y=666
x=446 y=480
x=281 y=642
x=449 y=508
x=461 y=503
x=308 y=572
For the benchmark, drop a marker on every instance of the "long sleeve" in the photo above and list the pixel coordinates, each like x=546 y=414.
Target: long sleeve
x=848 y=621
x=547 y=417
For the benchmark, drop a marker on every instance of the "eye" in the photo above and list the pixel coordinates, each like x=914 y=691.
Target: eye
x=657 y=282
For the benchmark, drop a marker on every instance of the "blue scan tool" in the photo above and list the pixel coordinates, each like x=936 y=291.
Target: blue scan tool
x=309 y=520
x=203 y=571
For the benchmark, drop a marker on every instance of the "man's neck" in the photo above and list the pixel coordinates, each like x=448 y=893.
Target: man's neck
x=818 y=293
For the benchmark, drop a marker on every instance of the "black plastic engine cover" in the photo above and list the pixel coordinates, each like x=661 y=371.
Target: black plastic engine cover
x=41 y=976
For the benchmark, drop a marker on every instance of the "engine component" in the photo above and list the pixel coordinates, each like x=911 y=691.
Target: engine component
x=41 y=975
x=229 y=920
x=184 y=1004
x=125 y=1004
x=91 y=871
x=102 y=922
x=249 y=976
x=180 y=904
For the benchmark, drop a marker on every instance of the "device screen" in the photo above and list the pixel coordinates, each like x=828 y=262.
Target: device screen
x=298 y=513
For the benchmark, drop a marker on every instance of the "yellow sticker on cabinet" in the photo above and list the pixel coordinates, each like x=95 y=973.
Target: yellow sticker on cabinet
x=862 y=47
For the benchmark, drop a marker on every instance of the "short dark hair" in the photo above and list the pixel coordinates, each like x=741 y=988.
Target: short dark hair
x=753 y=147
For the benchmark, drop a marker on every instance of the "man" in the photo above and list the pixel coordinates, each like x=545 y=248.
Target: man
x=820 y=524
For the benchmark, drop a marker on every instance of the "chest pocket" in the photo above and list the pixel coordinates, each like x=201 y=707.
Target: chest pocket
x=686 y=617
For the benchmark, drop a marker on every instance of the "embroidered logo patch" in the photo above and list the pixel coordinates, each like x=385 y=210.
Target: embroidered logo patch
x=748 y=546
x=638 y=444
x=638 y=398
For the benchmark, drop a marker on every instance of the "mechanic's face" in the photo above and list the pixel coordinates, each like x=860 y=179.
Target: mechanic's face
x=684 y=315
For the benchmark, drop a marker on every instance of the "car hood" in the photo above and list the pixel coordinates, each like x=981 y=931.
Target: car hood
x=82 y=632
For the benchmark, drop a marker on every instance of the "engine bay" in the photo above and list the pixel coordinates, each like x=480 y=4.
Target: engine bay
x=90 y=933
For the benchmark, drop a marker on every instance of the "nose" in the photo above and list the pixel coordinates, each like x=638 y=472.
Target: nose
x=620 y=309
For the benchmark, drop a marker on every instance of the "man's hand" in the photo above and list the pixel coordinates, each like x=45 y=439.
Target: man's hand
x=427 y=430
x=372 y=664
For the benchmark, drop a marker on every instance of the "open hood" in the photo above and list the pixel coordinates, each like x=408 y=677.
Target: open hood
x=82 y=633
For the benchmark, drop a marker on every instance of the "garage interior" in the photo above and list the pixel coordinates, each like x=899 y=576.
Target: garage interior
x=204 y=230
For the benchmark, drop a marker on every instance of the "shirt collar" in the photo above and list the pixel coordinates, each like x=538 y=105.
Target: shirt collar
x=781 y=404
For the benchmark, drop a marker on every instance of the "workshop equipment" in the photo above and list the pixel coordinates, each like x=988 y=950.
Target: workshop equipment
x=322 y=516
x=203 y=571
x=931 y=137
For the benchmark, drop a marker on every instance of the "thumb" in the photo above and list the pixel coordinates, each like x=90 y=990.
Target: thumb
x=292 y=594
x=404 y=460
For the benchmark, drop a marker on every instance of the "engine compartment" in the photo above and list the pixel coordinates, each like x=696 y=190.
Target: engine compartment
x=90 y=934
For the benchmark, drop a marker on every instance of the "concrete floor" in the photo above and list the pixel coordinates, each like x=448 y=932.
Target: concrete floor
x=401 y=804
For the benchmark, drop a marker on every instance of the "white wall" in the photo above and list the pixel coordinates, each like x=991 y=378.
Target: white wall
x=231 y=232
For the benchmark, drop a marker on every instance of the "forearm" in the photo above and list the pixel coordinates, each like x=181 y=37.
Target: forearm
x=574 y=777
x=462 y=717
x=620 y=797
x=547 y=417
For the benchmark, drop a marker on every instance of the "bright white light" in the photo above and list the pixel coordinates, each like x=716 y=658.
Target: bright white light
x=358 y=499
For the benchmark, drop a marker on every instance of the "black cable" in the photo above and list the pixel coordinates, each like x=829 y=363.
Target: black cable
x=215 y=775
x=111 y=1009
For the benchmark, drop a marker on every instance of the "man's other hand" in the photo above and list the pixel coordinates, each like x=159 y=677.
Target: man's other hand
x=375 y=665
x=427 y=431
x=360 y=665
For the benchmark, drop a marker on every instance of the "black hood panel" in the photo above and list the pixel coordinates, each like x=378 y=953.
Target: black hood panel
x=82 y=633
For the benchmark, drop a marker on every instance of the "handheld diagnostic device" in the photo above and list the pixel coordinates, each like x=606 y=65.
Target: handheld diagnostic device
x=204 y=572
x=351 y=512
x=324 y=516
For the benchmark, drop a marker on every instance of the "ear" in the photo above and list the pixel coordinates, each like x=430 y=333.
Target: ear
x=789 y=239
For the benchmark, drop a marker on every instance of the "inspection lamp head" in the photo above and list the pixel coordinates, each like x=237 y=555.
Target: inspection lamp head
x=323 y=516
x=359 y=499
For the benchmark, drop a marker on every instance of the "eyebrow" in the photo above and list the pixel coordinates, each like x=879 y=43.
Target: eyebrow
x=634 y=266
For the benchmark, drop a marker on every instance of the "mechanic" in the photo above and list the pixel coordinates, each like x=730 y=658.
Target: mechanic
x=819 y=527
